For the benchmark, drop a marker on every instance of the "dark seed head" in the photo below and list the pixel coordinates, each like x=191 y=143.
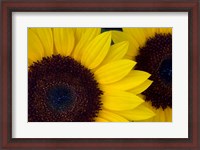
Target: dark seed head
x=60 y=97
x=61 y=89
x=165 y=70
x=156 y=58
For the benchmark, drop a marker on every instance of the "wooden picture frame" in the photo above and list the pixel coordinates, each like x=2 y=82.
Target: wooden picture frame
x=9 y=6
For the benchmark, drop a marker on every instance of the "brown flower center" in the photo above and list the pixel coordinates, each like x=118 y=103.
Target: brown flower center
x=156 y=58
x=61 y=90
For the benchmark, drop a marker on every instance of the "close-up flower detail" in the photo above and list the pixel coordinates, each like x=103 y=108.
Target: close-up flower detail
x=151 y=48
x=77 y=75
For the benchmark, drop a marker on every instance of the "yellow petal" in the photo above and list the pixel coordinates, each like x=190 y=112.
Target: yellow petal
x=30 y=62
x=162 y=115
x=150 y=32
x=116 y=52
x=96 y=50
x=141 y=96
x=132 y=80
x=165 y=30
x=120 y=100
x=168 y=114
x=142 y=87
x=46 y=38
x=78 y=33
x=128 y=57
x=158 y=116
x=138 y=34
x=35 y=48
x=87 y=35
x=98 y=119
x=90 y=34
x=111 y=117
x=133 y=49
x=64 y=40
x=139 y=113
x=114 y=71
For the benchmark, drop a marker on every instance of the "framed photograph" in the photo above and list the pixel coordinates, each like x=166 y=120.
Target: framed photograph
x=106 y=74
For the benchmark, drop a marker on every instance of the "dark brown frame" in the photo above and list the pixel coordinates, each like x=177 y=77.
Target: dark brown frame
x=9 y=6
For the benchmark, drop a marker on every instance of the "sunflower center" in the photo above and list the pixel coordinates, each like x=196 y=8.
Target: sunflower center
x=165 y=70
x=60 y=97
x=156 y=58
x=60 y=89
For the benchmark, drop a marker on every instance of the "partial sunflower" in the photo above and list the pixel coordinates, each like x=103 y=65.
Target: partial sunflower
x=76 y=75
x=151 y=48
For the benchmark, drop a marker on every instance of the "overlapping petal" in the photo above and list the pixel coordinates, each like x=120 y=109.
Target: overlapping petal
x=96 y=50
x=116 y=52
x=111 y=117
x=64 y=40
x=139 y=113
x=114 y=71
x=118 y=36
x=46 y=37
x=131 y=81
x=35 y=48
x=120 y=100
x=85 y=36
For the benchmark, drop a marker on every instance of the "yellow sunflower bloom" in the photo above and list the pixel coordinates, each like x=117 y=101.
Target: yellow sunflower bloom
x=75 y=74
x=151 y=48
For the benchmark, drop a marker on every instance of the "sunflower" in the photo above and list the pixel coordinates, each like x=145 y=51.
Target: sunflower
x=151 y=48
x=76 y=75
